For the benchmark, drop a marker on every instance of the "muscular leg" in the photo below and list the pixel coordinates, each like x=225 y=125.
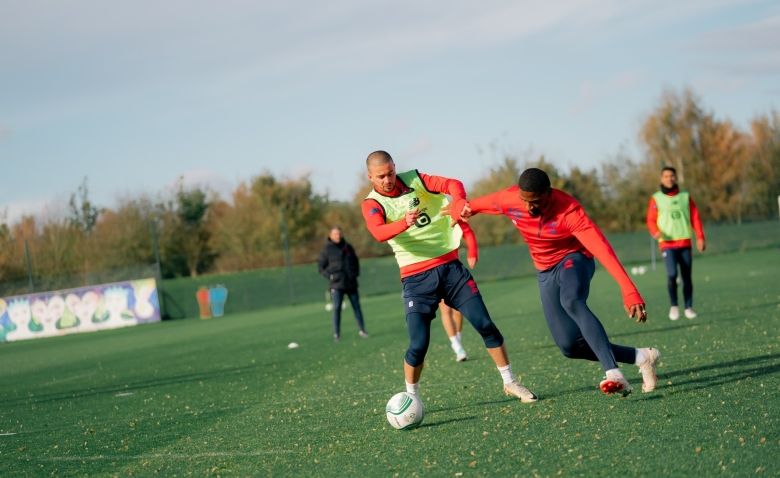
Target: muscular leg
x=419 y=327
x=670 y=261
x=575 y=329
x=686 y=266
x=338 y=297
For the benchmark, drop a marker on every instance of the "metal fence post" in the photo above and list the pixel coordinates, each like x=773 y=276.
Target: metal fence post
x=29 y=266
x=160 y=291
x=652 y=251
x=287 y=257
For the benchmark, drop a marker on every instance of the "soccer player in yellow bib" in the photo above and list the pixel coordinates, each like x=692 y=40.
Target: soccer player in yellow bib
x=404 y=210
x=670 y=216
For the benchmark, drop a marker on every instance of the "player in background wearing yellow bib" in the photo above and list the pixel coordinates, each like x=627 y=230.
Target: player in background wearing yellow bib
x=404 y=210
x=670 y=215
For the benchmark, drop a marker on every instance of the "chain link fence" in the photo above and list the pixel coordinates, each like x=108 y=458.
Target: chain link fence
x=258 y=289
x=297 y=284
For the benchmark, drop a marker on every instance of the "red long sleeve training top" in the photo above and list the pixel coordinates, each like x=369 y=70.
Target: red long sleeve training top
x=652 y=222
x=562 y=229
x=382 y=231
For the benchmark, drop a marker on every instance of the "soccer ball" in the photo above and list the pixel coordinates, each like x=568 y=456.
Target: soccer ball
x=405 y=410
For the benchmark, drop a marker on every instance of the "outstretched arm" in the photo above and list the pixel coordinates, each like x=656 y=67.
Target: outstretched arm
x=490 y=204
x=453 y=187
x=594 y=241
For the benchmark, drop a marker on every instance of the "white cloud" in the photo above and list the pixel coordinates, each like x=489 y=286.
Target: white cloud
x=33 y=207
x=218 y=49
x=590 y=92
x=747 y=50
x=421 y=146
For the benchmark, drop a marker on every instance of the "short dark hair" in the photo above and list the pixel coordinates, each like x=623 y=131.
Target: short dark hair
x=534 y=180
x=378 y=157
x=669 y=168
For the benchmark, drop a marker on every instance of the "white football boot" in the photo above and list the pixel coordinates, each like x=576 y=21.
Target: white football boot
x=674 y=312
x=519 y=391
x=619 y=385
x=649 y=377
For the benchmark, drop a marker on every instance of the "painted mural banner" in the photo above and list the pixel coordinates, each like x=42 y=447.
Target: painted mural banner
x=85 y=309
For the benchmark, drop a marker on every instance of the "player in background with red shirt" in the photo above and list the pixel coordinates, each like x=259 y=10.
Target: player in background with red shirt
x=562 y=241
x=670 y=215
x=403 y=209
x=451 y=319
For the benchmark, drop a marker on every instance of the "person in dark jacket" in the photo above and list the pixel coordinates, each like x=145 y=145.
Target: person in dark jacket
x=340 y=265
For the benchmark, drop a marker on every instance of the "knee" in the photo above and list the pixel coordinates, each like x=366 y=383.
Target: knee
x=567 y=350
x=571 y=303
x=415 y=355
x=490 y=334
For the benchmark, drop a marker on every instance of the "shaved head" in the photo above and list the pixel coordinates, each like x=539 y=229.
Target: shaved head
x=378 y=158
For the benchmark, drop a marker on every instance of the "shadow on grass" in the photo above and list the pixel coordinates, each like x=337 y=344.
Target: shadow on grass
x=447 y=422
x=473 y=404
x=748 y=368
x=685 y=325
x=131 y=386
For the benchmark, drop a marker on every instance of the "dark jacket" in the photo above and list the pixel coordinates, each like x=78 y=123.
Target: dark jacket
x=339 y=264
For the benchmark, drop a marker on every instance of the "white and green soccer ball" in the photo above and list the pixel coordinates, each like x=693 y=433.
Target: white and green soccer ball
x=405 y=410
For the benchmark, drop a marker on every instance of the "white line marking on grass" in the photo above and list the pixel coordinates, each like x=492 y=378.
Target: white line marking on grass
x=126 y=394
x=164 y=456
x=54 y=382
x=6 y=434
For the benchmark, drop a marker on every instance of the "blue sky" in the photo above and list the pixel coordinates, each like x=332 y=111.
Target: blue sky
x=134 y=95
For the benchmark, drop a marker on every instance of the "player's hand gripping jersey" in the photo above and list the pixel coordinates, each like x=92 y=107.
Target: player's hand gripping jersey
x=428 y=242
x=562 y=229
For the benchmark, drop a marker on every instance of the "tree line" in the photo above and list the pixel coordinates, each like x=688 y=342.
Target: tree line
x=733 y=175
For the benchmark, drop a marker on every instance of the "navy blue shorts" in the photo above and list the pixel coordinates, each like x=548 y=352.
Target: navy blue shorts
x=451 y=282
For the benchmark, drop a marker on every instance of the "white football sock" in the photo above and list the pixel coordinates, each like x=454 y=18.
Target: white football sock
x=506 y=374
x=614 y=373
x=412 y=387
x=455 y=342
x=640 y=357
x=458 y=336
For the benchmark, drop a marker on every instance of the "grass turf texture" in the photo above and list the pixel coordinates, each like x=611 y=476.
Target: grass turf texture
x=227 y=397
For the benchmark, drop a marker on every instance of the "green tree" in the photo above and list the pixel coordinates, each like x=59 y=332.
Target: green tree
x=83 y=214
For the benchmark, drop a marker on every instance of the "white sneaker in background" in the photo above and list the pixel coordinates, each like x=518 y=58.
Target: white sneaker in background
x=690 y=313
x=674 y=312
x=461 y=355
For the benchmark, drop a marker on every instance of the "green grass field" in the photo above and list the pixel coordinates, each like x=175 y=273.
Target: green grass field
x=227 y=397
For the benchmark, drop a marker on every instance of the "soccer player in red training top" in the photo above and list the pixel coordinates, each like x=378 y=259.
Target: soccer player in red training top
x=670 y=215
x=563 y=241
x=403 y=210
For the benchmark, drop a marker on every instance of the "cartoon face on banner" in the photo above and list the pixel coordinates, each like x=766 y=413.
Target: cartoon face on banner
x=79 y=310
x=20 y=315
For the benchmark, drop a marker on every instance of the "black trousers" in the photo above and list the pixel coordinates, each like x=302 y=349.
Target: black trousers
x=338 y=298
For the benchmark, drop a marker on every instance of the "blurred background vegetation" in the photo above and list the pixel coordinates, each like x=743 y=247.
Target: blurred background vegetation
x=732 y=174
